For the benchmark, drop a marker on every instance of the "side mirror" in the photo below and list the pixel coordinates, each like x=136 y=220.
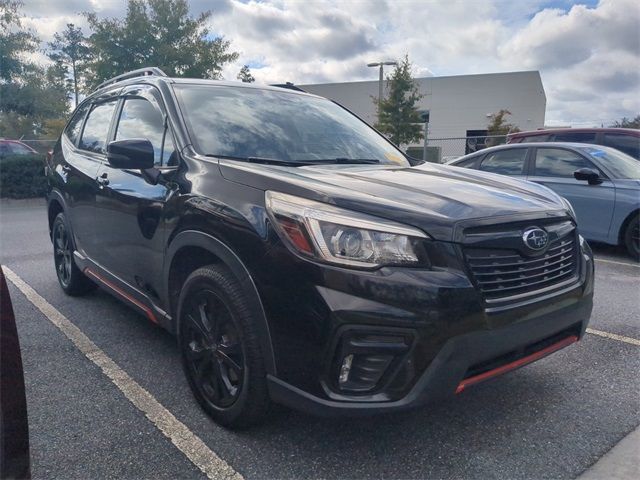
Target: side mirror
x=134 y=154
x=589 y=175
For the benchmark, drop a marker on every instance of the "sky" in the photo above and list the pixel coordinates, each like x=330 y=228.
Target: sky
x=587 y=52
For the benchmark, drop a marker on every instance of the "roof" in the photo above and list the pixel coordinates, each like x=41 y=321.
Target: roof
x=547 y=131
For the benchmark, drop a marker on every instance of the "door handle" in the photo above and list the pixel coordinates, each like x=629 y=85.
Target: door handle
x=103 y=180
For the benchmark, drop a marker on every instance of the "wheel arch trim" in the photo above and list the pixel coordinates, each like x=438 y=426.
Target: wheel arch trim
x=194 y=238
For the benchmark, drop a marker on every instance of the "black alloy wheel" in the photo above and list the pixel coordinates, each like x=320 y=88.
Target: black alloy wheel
x=62 y=254
x=221 y=351
x=632 y=237
x=213 y=352
x=71 y=279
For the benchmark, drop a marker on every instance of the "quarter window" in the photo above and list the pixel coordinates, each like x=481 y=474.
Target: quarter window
x=505 y=162
x=578 y=137
x=628 y=144
x=140 y=119
x=75 y=125
x=555 y=162
x=96 y=128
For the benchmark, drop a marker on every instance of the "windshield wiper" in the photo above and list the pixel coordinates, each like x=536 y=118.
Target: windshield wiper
x=342 y=160
x=264 y=160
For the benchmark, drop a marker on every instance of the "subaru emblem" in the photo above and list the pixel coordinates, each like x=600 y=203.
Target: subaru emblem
x=535 y=238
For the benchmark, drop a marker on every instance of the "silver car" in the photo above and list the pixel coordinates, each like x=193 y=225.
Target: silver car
x=601 y=183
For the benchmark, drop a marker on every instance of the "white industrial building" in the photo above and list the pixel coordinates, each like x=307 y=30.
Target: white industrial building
x=458 y=106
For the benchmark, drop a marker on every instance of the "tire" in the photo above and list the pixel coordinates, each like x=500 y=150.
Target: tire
x=71 y=279
x=632 y=237
x=221 y=354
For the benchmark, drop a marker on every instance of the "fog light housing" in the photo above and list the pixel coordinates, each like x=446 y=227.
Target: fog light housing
x=362 y=358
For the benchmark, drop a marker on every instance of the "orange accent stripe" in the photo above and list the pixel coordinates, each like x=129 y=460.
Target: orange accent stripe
x=467 y=382
x=123 y=294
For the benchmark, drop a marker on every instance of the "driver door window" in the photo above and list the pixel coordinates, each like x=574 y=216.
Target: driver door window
x=140 y=119
x=555 y=162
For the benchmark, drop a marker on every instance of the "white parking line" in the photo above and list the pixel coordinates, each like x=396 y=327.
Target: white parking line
x=183 y=438
x=618 y=263
x=614 y=336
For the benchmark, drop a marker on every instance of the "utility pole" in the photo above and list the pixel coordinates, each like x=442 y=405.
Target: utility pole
x=381 y=65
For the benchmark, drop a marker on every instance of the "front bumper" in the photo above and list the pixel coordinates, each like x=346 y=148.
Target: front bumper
x=457 y=342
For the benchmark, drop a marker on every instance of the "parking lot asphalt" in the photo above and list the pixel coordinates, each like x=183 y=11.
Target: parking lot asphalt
x=552 y=419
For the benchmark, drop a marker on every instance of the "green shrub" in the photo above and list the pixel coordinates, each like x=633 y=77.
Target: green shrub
x=22 y=176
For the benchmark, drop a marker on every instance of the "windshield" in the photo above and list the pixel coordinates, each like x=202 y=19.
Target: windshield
x=255 y=123
x=619 y=164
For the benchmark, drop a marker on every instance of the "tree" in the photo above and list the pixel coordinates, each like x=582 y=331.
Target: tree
x=627 y=123
x=69 y=49
x=498 y=126
x=245 y=76
x=14 y=42
x=157 y=33
x=399 y=117
x=30 y=96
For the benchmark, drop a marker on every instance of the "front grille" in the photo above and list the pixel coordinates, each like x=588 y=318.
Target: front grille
x=503 y=273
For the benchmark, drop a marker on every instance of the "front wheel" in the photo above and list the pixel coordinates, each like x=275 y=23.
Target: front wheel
x=632 y=237
x=71 y=279
x=221 y=353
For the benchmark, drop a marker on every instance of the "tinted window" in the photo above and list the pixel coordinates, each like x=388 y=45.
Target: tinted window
x=467 y=163
x=555 y=162
x=140 y=119
x=96 y=128
x=577 y=137
x=534 y=138
x=628 y=144
x=505 y=162
x=75 y=125
x=248 y=122
x=20 y=149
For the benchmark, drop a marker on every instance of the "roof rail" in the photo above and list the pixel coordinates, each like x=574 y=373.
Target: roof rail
x=289 y=86
x=140 y=72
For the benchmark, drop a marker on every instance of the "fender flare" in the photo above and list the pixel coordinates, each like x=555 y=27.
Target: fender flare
x=194 y=238
x=57 y=196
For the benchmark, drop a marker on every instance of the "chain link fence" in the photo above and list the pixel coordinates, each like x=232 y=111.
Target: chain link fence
x=442 y=150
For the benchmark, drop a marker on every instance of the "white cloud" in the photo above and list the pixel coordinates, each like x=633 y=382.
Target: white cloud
x=588 y=55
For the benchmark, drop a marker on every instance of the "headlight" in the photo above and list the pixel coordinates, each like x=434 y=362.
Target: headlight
x=569 y=207
x=334 y=235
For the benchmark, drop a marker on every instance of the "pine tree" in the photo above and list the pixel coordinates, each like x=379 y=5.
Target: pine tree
x=244 y=75
x=398 y=116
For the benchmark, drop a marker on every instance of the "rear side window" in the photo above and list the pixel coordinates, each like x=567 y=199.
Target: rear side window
x=96 y=128
x=140 y=119
x=505 y=162
x=555 y=162
x=75 y=125
x=577 y=137
x=628 y=144
x=533 y=138
x=20 y=149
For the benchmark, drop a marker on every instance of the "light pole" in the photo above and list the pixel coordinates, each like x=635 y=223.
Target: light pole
x=381 y=65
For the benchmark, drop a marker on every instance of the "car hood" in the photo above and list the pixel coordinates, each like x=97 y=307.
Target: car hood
x=434 y=198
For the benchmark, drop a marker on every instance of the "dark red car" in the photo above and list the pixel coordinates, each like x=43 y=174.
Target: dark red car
x=626 y=140
x=14 y=147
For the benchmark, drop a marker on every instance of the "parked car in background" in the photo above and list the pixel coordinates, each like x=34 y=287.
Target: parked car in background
x=10 y=148
x=601 y=183
x=626 y=140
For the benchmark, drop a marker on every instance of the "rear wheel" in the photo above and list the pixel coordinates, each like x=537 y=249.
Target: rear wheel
x=220 y=351
x=632 y=237
x=71 y=279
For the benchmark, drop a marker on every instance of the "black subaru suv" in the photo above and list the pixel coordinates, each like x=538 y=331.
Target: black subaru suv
x=299 y=257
